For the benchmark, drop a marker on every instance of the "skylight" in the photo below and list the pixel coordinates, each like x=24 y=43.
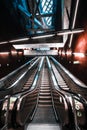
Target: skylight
x=47 y=7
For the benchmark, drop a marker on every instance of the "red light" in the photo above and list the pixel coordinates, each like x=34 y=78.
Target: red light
x=4 y=53
x=14 y=52
x=63 y=53
x=20 y=53
x=81 y=46
x=60 y=51
x=80 y=55
x=69 y=53
x=81 y=49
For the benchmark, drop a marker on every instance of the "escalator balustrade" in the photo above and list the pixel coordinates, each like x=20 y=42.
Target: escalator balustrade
x=4 y=111
x=80 y=113
x=44 y=102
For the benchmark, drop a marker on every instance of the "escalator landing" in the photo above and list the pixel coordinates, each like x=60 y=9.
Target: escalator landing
x=44 y=115
x=44 y=119
x=43 y=127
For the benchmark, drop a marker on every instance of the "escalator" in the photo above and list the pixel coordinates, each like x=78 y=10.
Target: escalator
x=46 y=102
x=78 y=102
x=43 y=106
x=44 y=117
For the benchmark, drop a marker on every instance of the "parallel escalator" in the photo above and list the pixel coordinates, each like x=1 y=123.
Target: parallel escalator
x=45 y=102
x=44 y=117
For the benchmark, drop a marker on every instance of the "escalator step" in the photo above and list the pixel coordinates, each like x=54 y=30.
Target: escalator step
x=45 y=105
x=43 y=102
x=44 y=97
x=45 y=90
x=45 y=94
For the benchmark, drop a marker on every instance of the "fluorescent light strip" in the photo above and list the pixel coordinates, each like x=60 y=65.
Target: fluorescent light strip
x=4 y=53
x=79 y=54
x=18 y=40
x=74 y=20
x=44 y=36
x=4 y=42
x=70 y=32
x=76 y=62
x=76 y=8
x=18 y=79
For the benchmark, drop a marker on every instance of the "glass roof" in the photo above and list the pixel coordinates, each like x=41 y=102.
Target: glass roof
x=36 y=14
x=47 y=7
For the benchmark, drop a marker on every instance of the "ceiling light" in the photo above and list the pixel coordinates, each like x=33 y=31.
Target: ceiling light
x=18 y=40
x=4 y=53
x=43 y=36
x=79 y=54
x=76 y=62
x=69 y=32
x=4 y=42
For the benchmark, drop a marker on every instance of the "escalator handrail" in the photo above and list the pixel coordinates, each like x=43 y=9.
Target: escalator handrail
x=71 y=76
x=66 y=96
x=57 y=90
x=22 y=95
x=19 y=98
x=78 y=96
x=21 y=67
x=67 y=104
x=29 y=90
x=73 y=96
x=21 y=77
x=2 y=81
x=7 y=99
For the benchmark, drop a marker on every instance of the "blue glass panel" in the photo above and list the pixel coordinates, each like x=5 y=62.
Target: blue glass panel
x=47 y=7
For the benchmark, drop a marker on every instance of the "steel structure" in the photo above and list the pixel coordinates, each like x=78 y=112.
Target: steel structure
x=37 y=15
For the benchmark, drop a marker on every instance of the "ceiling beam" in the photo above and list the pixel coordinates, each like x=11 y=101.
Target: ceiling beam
x=73 y=21
x=29 y=16
x=36 y=45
